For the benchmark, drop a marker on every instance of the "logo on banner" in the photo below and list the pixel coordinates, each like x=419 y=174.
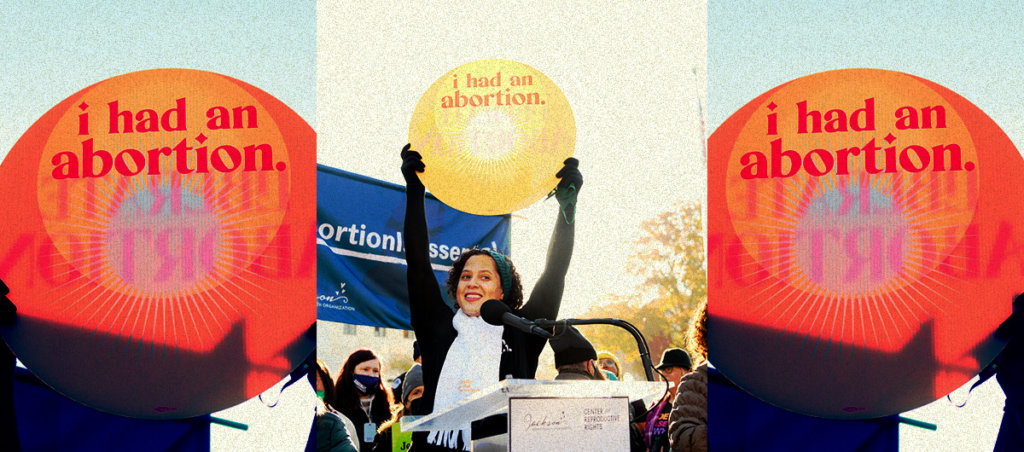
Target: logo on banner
x=337 y=301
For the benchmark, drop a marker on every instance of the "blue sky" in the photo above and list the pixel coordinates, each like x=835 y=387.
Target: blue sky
x=50 y=53
x=973 y=48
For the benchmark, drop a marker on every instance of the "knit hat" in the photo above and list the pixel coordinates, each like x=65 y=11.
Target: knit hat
x=604 y=354
x=571 y=347
x=504 y=270
x=675 y=357
x=413 y=378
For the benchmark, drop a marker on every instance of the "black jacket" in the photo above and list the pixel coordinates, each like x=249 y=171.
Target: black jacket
x=432 y=317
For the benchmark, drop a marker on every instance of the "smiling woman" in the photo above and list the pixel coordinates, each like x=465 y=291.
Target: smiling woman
x=461 y=353
x=480 y=275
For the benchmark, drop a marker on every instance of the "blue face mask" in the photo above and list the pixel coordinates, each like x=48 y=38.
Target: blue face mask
x=365 y=383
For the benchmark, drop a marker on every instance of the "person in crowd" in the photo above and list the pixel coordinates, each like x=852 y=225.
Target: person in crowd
x=674 y=363
x=332 y=434
x=411 y=390
x=461 y=353
x=324 y=382
x=396 y=384
x=362 y=396
x=575 y=358
x=610 y=364
x=688 y=421
x=412 y=387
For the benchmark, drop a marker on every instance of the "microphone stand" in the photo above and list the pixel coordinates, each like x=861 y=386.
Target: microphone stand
x=641 y=343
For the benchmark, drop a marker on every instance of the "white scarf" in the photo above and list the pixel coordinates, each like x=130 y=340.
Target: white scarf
x=472 y=363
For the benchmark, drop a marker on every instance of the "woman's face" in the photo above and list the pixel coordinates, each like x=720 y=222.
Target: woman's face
x=478 y=283
x=369 y=368
x=609 y=365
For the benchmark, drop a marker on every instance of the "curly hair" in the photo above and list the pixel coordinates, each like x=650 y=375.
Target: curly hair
x=698 y=332
x=513 y=297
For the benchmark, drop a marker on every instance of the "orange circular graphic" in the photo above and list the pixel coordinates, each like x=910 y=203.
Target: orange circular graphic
x=492 y=133
x=859 y=221
x=158 y=261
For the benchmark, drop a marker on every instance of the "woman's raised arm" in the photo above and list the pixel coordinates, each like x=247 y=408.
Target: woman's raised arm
x=424 y=292
x=546 y=297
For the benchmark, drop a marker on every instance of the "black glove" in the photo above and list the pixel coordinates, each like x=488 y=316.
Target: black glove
x=568 y=188
x=412 y=163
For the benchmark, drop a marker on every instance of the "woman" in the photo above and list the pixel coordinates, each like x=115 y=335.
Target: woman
x=610 y=364
x=334 y=432
x=461 y=353
x=366 y=400
x=324 y=383
x=688 y=423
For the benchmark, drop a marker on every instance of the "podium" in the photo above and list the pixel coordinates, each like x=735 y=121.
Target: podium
x=575 y=410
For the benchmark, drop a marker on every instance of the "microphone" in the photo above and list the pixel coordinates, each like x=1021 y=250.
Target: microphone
x=497 y=313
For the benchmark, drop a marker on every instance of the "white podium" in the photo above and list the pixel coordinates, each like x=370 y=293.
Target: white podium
x=573 y=411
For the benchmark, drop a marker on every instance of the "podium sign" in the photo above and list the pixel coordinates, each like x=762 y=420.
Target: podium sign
x=494 y=399
x=547 y=423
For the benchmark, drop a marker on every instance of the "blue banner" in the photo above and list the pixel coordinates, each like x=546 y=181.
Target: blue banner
x=361 y=269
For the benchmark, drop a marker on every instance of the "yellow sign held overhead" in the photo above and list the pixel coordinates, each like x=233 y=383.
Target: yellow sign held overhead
x=492 y=133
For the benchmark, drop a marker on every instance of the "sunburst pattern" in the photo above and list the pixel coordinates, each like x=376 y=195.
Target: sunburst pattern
x=492 y=159
x=170 y=259
x=836 y=256
x=492 y=145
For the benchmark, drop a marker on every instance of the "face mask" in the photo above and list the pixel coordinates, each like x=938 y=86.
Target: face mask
x=364 y=383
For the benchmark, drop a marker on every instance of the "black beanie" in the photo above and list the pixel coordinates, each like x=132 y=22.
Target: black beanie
x=571 y=347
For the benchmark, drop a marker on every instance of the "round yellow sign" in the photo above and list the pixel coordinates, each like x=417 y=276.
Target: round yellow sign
x=492 y=133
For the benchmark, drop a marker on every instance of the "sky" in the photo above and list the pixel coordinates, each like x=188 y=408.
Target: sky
x=52 y=52
x=974 y=48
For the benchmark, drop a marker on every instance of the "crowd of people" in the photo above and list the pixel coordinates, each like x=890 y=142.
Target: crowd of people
x=360 y=411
